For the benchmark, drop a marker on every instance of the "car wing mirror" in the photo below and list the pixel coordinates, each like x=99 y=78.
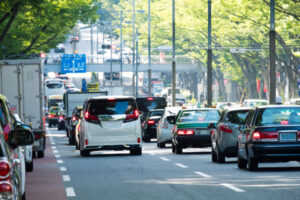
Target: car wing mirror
x=171 y=119
x=20 y=137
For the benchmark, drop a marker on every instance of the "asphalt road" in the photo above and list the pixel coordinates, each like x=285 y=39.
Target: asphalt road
x=158 y=174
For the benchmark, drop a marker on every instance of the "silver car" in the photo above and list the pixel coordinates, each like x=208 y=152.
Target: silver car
x=224 y=136
x=164 y=129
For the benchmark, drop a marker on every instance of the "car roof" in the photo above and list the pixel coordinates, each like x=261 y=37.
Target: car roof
x=192 y=109
x=156 y=110
x=279 y=106
x=237 y=108
x=110 y=97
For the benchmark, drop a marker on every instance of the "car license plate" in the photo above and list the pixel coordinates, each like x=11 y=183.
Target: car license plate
x=286 y=137
x=202 y=132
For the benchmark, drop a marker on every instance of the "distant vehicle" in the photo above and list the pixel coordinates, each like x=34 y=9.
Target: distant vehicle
x=53 y=115
x=192 y=128
x=54 y=86
x=164 y=128
x=72 y=124
x=110 y=123
x=295 y=101
x=255 y=102
x=270 y=134
x=149 y=125
x=61 y=120
x=60 y=48
x=55 y=100
x=101 y=51
x=224 y=134
x=145 y=104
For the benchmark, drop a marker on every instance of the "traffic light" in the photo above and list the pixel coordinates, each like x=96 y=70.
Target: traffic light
x=106 y=46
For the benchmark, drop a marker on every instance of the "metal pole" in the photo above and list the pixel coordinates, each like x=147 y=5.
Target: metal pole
x=133 y=42
x=110 y=54
x=121 y=46
x=92 y=47
x=149 y=49
x=97 y=42
x=272 y=53
x=209 y=59
x=136 y=66
x=173 y=55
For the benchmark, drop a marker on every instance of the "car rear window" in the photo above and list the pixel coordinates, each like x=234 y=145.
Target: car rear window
x=278 y=116
x=111 y=107
x=54 y=85
x=199 y=116
x=237 y=117
x=146 y=104
x=156 y=113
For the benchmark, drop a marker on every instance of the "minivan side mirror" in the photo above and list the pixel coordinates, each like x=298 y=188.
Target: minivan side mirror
x=171 y=119
x=20 y=137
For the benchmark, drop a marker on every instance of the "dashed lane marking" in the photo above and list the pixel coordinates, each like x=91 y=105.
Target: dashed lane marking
x=203 y=174
x=55 y=151
x=70 y=192
x=57 y=156
x=181 y=165
x=63 y=169
x=232 y=187
x=60 y=161
x=53 y=147
x=151 y=153
x=163 y=158
x=66 y=178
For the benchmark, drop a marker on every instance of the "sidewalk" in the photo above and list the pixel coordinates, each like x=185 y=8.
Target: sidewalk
x=45 y=181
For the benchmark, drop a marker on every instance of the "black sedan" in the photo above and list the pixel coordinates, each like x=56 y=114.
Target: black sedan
x=270 y=134
x=72 y=124
x=149 y=125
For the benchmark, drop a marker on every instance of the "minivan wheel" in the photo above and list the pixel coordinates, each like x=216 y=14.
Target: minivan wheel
x=252 y=164
x=84 y=153
x=242 y=163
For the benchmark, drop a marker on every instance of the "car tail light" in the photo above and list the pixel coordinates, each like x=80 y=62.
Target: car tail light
x=6 y=190
x=139 y=140
x=265 y=136
x=5 y=169
x=91 y=118
x=61 y=117
x=150 y=98
x=185 y=132
x=298 y=135
x=50 y=116
x=74 y=118
x=225 y=129
x=86 y=142
x=132 y=117
x=150 y=122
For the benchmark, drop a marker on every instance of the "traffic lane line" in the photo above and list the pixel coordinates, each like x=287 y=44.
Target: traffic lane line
x=202 y=174
x=181 y=165
x=63 y=169
x=165 y=159
x=70 y=192
x=232 y=187
x=66 y=178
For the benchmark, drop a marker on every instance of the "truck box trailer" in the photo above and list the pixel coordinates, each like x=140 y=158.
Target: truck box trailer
x=21 y=81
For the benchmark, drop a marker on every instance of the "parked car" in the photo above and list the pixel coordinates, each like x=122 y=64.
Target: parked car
x=72 y=124
x=110 y=123
x=191 y=128
x=53 y=115
x=270 y=134
x=224 y=135
x=149 y=125
x=255 y=102
x=164 y=128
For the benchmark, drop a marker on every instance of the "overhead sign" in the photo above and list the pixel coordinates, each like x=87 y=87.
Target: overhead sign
x=73 y=63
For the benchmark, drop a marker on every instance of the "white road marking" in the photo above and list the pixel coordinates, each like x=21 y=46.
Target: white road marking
x=66 y=178
x=151 y=153
x=52 y=143
x=57 y=156
x=232 y=187
x=55 y=151
x=53 y=147
x=70 y=192
x=181 y=165
x=63 y=169
x=60 y=161
x=163 y=158
x=203 y=174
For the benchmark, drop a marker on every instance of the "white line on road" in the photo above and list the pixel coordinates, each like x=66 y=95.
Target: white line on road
x=151 y=153
x=232 y=187
x=52 y=143
x=63 y=169
x=53 y=147
x=163 y=158
x=203 y=174
x=57 y=156
x=66 y=178
x=70 y=192
x=55 y=151
x=181 y=165
x=60 y=161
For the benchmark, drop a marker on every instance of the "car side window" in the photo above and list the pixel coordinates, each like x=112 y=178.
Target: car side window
x=249 y=118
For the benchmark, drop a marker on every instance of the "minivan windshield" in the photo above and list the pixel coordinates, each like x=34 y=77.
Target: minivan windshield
x=111 y=107
x=147 y=104
x=54 y=85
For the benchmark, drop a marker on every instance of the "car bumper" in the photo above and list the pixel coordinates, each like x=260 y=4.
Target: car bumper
x=274 y=152
x=112 y=147
x=53 y=120
x=193 y=141
x=150 y=132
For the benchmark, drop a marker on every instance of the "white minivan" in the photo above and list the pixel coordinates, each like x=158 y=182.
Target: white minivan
x=110 y=123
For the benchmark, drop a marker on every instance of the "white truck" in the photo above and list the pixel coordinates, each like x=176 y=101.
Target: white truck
x=21 y=81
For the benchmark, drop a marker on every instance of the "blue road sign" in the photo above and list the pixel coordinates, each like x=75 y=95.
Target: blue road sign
x=73 y=63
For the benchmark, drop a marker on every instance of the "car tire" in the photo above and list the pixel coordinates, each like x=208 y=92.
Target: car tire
x=252 y=164
x=23 y=196
x=173 y=148
x=242 y=163
x=71 y=140
x=136 y=151
x=161 y=145
x=213 y=156
x=29 y=166
x=40 y=154
x=178 y=149
x=220 y=156
x=84 y=153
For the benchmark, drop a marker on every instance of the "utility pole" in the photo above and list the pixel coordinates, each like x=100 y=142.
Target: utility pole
x=121 y=46
x=272 y=54
x=209 y=59
x=92 y=45
x=149 y=49
x=173 y=55
x=110 y=54
x=133 y=43
x=137 y=65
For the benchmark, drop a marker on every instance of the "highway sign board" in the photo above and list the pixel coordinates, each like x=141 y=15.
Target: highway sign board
x=73 y=63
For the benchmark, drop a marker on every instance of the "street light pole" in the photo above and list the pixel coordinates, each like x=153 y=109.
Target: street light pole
x=111 y=54
x=272 y=53
x=133 y=42
x=149 y=49
x=121 y=46
x=173 y=55
x=136 y=66
x=209 y=59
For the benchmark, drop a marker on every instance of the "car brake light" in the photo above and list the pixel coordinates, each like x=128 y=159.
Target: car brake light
x=61 y=117
x=150 y=98
x=91 y=118
x=225 y=129
x=86 y=142
x=50 y=116
x=185 y=132
x=74 y=118
x=139 y=140
x=133 y=116
x=5 y=169
x=285 y=122
x=6 y=187
x=264 y=136
x=150 y=122
x=111 y=99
